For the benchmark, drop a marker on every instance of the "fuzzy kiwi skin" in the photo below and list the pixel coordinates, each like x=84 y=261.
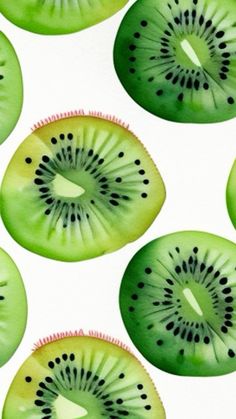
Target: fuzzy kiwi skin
x=20 y=400
x=13 y=308
x=32 y=228
x=11 y=88
x=49 y=19
x=202 y=109
x=160 y=346
x=231 y=194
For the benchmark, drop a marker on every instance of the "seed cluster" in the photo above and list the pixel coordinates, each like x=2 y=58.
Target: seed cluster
x=66 y=376
x=115 y=187
x=152 y=52
x=161 y=291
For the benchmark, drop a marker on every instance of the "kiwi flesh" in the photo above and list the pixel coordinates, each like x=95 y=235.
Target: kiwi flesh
x=231 y=194
x=11 y=88
x=178 y=299
x=82 y=376
x=79 y=187
x=53 y=17
x=13 y=307
x=177 y=58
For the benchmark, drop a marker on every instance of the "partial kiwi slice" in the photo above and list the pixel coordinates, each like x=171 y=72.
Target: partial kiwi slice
x=73 y=376
x=53 y=17
x=11 y=88
x=177 y=58
x=13 y=307
x=231 y=194
x=177 y=300
x=79 y=187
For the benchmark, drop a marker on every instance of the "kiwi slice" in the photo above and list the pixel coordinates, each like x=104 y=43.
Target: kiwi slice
x=13 y=307
x=53 y=17
x=75 y=376
x=177 y=58
x=11 y=89
x=231 y=194
x=177 y=300
x=79 y=187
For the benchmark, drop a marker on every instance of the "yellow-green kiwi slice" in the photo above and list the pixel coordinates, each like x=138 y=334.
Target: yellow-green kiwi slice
x=13 y=307
x=231 y=194
x=11 y=88
x=178 y=303
x=54 y=17
x=82 y=376
x=177 y=58
x=79 y=187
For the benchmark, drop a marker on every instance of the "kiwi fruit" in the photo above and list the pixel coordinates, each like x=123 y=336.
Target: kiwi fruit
x=13 y=307
x=80 y=186
x=74 y=375
x=11 y=88
x=177 y=58
x=231 y=194
x=177 y=301
x=53 y=17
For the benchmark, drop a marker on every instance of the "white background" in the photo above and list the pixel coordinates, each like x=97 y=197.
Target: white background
x=63 y=73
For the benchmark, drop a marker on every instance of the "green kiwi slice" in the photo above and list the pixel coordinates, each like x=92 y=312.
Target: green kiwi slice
x=177 y=300
x=11 y=90
x=231 y=194
x=74 y=376
x=177 y=58
x=79 y=187
x=13 y=307
x=53 y=17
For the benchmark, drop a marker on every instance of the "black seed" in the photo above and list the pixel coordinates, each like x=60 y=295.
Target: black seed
x=143 y=23
x=231 y=353
x=53 y=140
x=148 y=407
x=137 y=162
x=169 y=76
x=206 y=86
x=206 y=340
x=151 y=79
x=28 y=160
x=148 y=271
x=190 y=337
x=47 y=212
x=228 y=323
x=159 y=92
x=38 y=181
x=229 y=309
x=181 y=97
x=134 y=297
x=230 y=100
x=176 y=331
x=223 y=76
x=121 y=376
x=219 y=34
x=141 y=284
x=170 y=282
x=156 y=303
x=51 y=364
x=118 y=180
x=28 y=379
x=226 y=55
x=70 y=136
x=222 y=45
x=146 y=181
x=39 y=403
x=132 y=59
x=189 y=83
x=114 y=203
x=121 y=154
x=45 y=159
x=201 y=20
x=170 y=326
x=229 y=299
x=65 y=357
x=119 y=401
x=144 y=195
x=224 y=329
x=137 y=35
x=132 y=70
x=143 y=396
x=224 y=69
x=132 y=47
x=131 y=308
x=223 y=281
x=226 y=290
x=181 y=351
x=195 y=250
x=178 y=269
x=159 y=342
x=196 y=338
